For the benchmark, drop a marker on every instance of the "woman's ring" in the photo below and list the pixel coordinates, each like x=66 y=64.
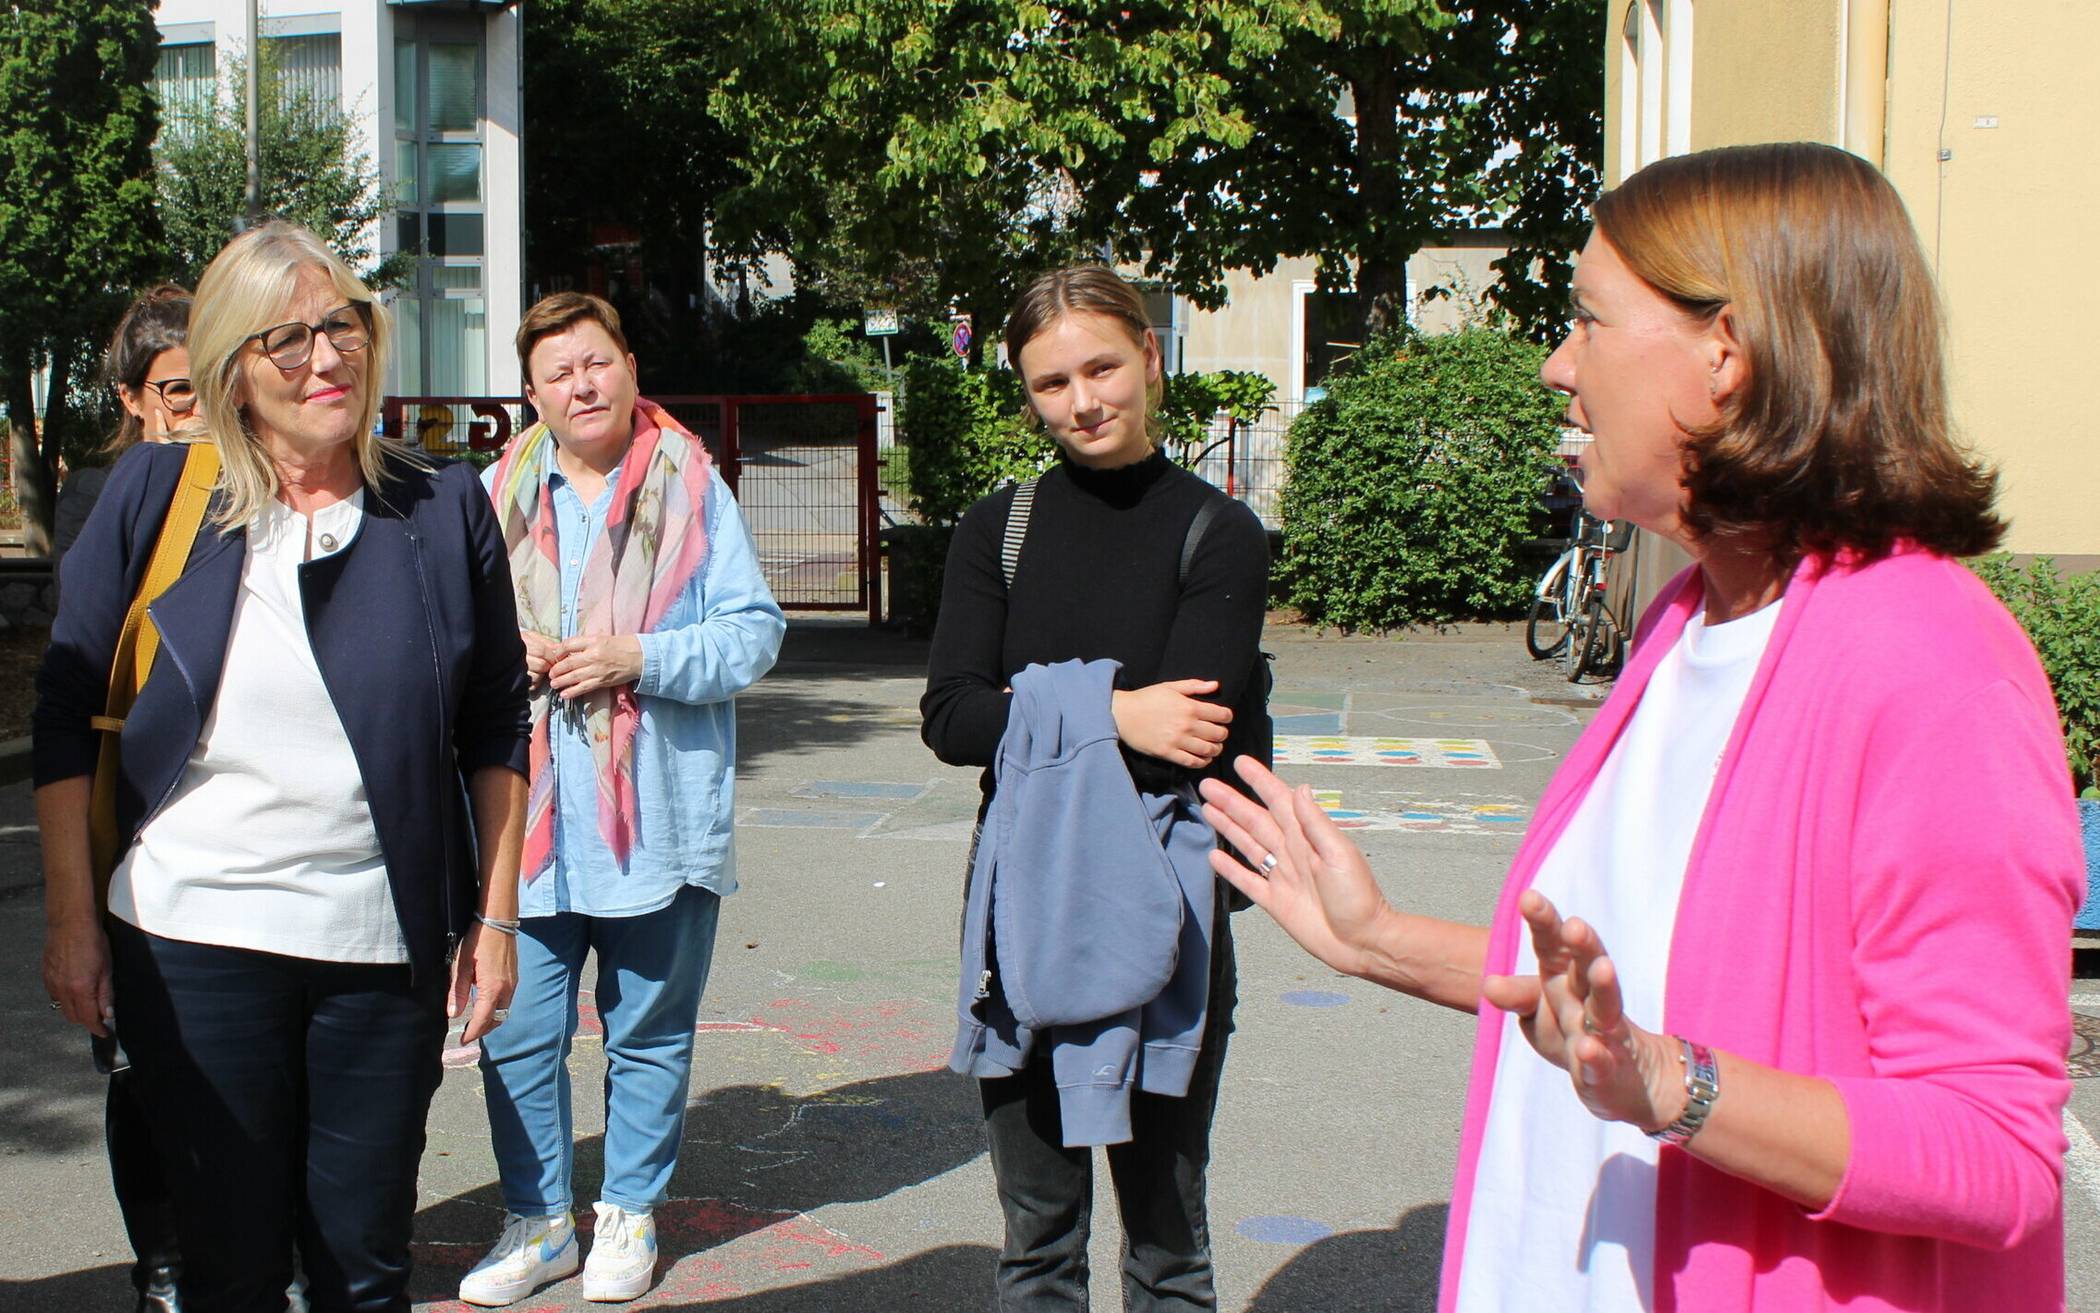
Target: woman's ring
x=500 y=1014
x=1590 y=1027
x=1268 y=863
x=56 y=1006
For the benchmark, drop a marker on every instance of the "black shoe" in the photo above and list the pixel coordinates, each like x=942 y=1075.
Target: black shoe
x=159 y=1294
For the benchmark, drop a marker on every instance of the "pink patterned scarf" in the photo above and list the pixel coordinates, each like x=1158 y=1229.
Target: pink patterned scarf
x=655 y=537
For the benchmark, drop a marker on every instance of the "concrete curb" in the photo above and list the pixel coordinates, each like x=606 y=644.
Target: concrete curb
x=14 y=760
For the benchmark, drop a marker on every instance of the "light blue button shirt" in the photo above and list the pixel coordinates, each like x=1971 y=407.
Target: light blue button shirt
x=717 y=639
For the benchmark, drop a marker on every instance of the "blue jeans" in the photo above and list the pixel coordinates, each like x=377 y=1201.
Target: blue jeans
x=651 y=969
x=286 y=1100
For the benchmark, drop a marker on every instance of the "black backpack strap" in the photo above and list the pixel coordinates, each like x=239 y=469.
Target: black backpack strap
x=1017 y=530
x=1205 y=513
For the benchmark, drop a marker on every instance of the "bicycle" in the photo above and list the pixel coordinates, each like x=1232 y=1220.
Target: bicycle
x=1568 y=612
x=1596 y=640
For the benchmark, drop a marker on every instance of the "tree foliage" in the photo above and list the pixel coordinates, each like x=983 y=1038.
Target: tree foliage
x=922 y=153
x=313 y=173
x=77 y=227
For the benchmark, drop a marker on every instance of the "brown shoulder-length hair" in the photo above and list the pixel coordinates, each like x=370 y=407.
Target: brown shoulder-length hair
x=555 y=312
x=1840 y=439
x=1083 y=289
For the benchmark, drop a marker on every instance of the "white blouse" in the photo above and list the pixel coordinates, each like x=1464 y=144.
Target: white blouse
x=267 y=842
x=1563 y=1212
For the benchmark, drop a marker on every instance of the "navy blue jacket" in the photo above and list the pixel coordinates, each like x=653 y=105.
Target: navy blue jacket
x=413 y=626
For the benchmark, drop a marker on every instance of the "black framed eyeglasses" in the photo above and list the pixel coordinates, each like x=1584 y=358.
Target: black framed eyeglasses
x=291 y=345
x=176 y=394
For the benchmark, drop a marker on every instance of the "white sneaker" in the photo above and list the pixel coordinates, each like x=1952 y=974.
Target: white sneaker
x=623 y=1256
x=532 y=1252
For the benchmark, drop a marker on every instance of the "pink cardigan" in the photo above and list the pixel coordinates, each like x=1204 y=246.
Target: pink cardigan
x=1881 y=894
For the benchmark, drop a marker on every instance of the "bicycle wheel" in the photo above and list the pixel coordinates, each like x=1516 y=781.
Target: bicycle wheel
x=1546 y=631
x=1595 y=639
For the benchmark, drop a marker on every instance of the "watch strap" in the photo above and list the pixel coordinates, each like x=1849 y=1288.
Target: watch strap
x=1702 y=1085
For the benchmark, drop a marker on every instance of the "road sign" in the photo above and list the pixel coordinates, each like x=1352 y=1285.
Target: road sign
x=879 y=323
x=960 y=339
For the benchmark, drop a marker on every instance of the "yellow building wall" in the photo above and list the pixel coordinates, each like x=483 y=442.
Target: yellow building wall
x=1765 y=70
x=2012 y=220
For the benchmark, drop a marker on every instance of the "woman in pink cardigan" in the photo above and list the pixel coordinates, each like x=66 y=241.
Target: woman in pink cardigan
x=1772 y=1011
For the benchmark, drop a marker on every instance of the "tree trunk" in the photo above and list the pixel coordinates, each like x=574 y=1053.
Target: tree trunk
x=1389 y=234
x=36 y=489
x=26 y=459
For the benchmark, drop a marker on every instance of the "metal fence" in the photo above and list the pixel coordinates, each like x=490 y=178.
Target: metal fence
x=802 y=468
x=1246 y=460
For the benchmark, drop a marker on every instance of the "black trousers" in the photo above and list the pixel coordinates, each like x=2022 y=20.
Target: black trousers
x=1160 y=1175
x=286 y=1099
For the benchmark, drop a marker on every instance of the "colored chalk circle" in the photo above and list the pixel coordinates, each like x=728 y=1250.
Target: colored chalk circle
x=1315 y=998
x=1275 y=1229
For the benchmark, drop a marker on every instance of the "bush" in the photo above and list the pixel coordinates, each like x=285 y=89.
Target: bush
x=1412 y=483
x=966 y=435
x=2062 y=617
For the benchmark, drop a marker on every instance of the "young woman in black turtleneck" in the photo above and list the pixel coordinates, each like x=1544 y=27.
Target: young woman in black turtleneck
x=1100 y=575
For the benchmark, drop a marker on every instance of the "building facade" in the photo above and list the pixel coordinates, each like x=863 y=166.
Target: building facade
x=433 y=87
x=1983 y=117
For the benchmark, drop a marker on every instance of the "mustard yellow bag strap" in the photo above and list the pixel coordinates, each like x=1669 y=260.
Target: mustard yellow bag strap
x=139 y=642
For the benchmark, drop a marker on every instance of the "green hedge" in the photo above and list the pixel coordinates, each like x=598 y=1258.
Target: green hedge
x=2062 y=616
x=966 y=435
x=1413 y=482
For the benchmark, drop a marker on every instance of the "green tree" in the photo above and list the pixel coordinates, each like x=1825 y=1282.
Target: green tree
x=77 y=227
x=920 y=153
x=313 y=173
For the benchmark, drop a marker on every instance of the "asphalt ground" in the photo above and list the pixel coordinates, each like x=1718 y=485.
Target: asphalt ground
x=831 y=1162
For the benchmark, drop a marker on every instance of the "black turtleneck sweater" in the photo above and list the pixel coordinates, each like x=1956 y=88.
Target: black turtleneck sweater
x=1099 y=578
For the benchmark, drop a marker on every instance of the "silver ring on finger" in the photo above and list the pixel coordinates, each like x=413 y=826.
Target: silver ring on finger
x=500 y=1014
x=1268 y=863
x=1590 y=1026
x=57 y=1006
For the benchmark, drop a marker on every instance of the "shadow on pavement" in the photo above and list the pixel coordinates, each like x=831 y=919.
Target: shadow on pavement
x=1391 y=1271
x=95 y=1288
x=953 y=1277
x=754 y=1159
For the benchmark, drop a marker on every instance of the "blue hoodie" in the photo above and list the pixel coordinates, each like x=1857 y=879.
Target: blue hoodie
x=1088 y=920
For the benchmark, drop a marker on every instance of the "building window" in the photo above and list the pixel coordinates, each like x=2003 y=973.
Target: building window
x=310 y=66
x=184 y=81
x=439 y=96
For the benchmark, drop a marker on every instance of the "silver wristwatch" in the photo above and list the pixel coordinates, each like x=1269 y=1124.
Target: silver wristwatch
x=1702 y=1085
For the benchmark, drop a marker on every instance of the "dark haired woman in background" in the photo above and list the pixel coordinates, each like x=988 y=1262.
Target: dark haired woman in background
x=148 y=367
x=1104 y=574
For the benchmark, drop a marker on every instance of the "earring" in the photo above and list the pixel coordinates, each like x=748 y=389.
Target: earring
x=1713 y=385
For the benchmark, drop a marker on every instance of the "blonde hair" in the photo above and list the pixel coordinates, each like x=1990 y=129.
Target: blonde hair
x=1084 y=289
x=244 y=291
x=1841 y=439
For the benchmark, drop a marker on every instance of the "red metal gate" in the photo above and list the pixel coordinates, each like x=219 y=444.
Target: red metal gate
x=802 y=468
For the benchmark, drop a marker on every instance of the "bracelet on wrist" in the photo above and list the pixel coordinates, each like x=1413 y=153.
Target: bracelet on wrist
x=1702 y=1085
x=501 y=925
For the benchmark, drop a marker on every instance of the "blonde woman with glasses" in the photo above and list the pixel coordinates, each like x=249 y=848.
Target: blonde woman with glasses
x=319 y=795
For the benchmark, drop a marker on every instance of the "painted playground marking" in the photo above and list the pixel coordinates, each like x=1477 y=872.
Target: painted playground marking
x=1282 y=1229
x=1458 y=816
x=2082 y=1160
x=1357 y=750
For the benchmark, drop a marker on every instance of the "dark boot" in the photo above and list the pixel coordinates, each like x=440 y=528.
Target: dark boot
x=157 y=1289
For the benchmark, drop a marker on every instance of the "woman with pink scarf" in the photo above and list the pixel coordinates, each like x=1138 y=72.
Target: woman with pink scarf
x=1772 y=1010
x=644 y=614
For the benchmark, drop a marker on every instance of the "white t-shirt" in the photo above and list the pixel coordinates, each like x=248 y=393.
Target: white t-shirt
x=1563 y=1209
x=267 y=841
